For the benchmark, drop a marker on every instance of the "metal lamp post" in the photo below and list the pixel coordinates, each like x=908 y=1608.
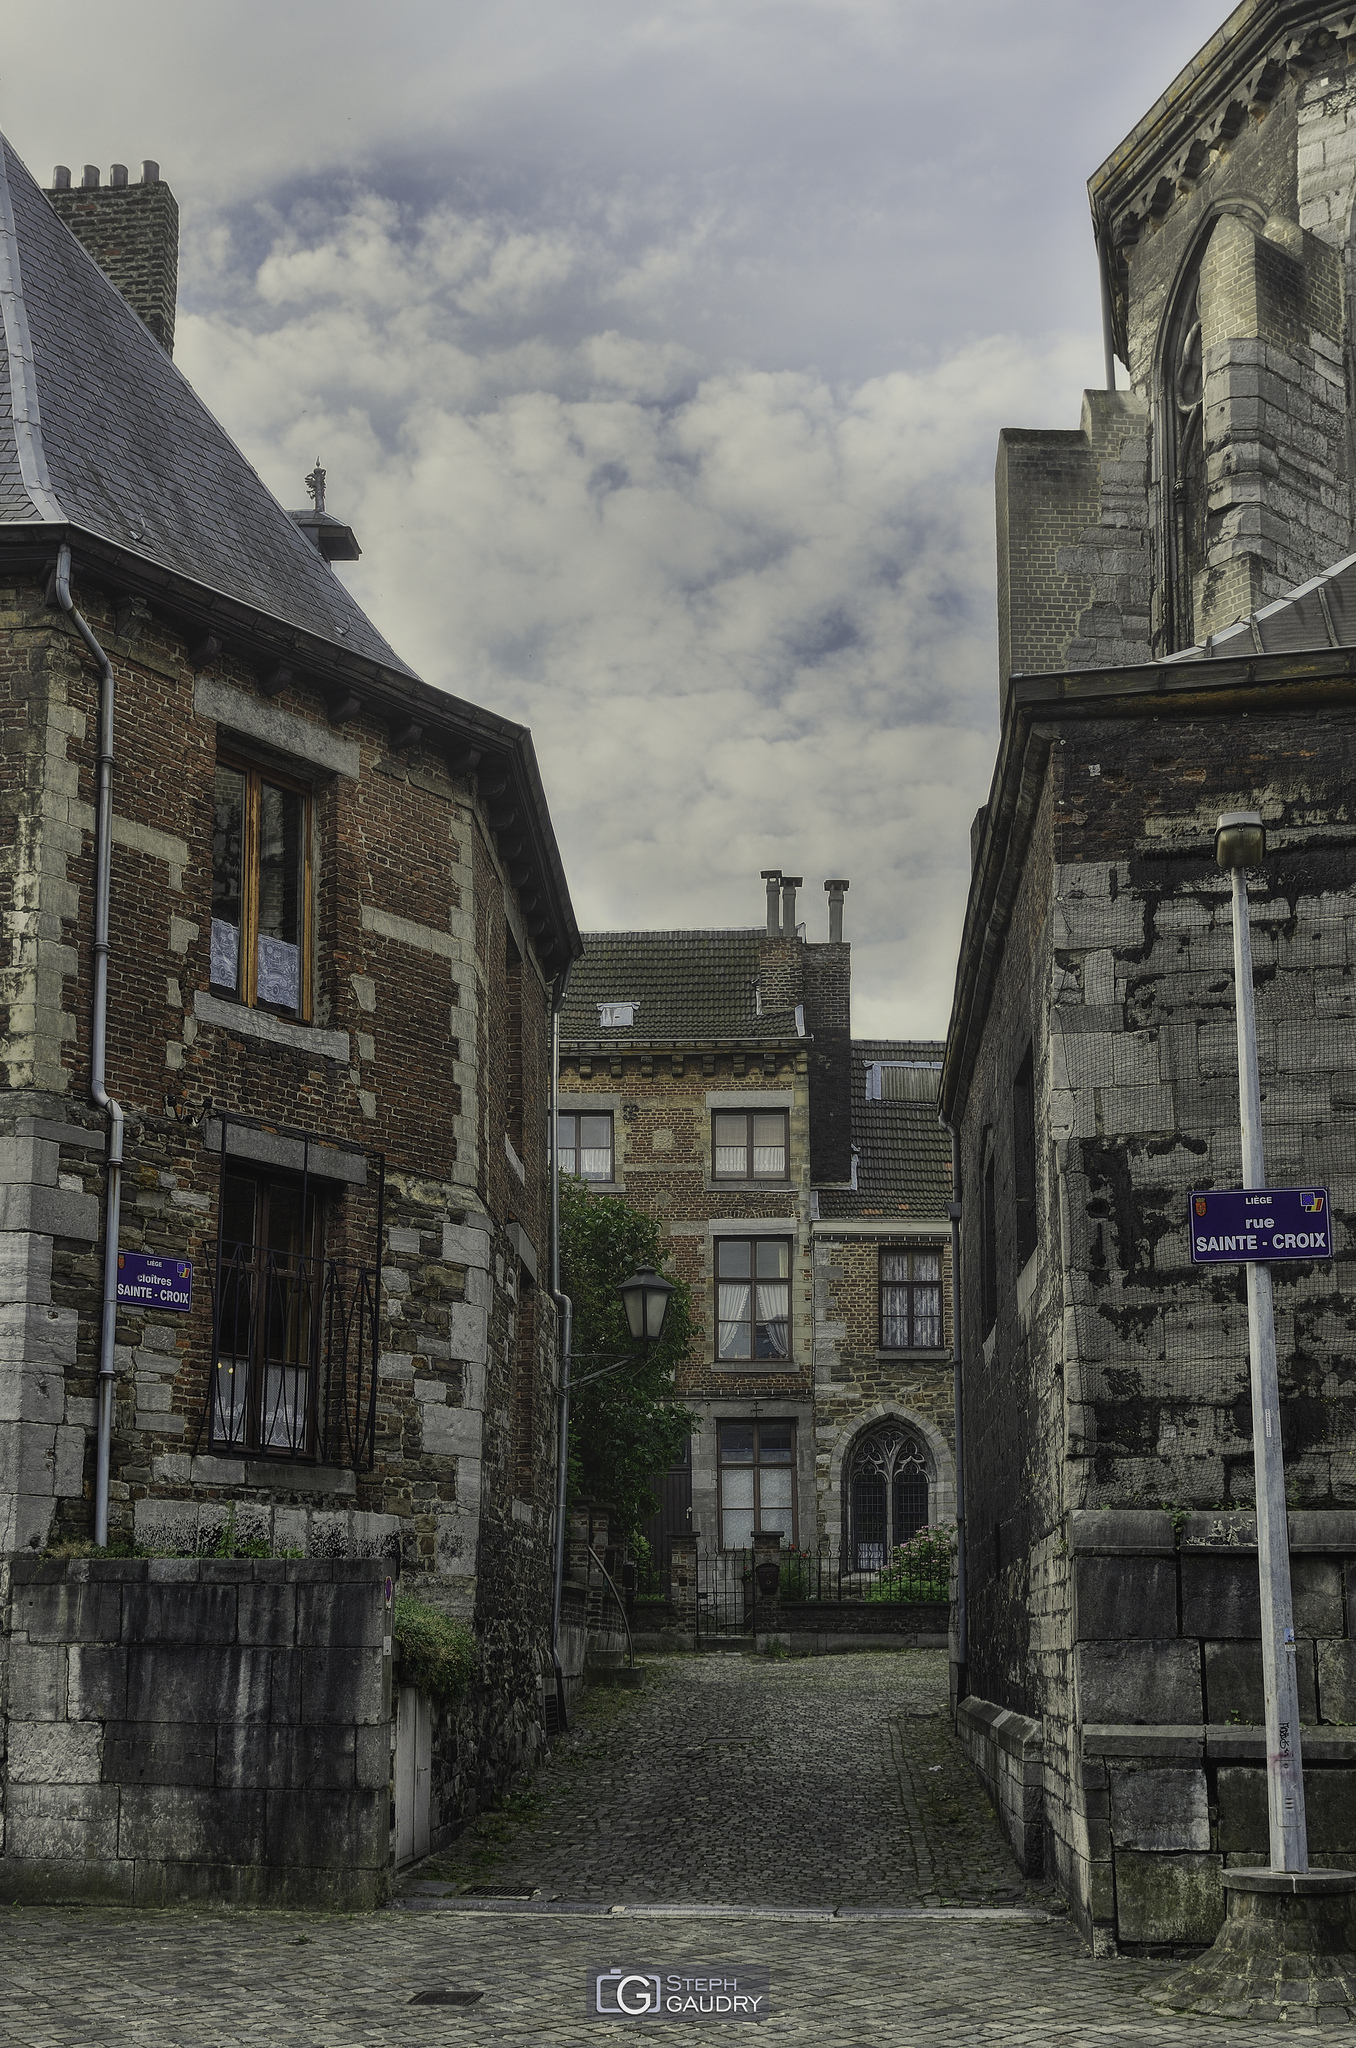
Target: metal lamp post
x=1240 y=843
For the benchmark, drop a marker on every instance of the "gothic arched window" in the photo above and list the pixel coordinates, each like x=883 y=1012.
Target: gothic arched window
x=885 y=1491
x=1184 y=481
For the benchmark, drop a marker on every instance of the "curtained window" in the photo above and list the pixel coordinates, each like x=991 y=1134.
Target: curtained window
x=757 y=1481
x=911 y=1299
x=753 y=1298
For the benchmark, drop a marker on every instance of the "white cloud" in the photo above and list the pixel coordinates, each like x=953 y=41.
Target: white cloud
x=746 y=613
x=657 y=351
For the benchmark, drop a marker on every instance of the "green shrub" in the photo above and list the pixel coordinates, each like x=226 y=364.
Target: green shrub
x=919 y=1569
x=434 y=1653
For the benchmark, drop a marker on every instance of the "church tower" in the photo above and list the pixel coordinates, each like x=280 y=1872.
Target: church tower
x=1222 y=478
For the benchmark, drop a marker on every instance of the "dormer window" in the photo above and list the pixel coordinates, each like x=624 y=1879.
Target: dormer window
x=616 y=1015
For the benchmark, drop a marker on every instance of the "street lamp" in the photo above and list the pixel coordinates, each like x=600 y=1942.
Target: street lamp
x=1240 y=843
x=645 y=1297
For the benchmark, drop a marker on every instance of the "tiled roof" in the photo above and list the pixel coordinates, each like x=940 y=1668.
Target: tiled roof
x=689 y=988
x=100 y=431
x=903 y=1154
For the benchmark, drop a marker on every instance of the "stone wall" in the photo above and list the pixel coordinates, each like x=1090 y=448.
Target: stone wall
x=816 y=1627
x=857 y=1383
x=1148 y=1778
x=180 y=1730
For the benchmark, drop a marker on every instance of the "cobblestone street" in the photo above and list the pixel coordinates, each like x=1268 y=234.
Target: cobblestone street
x=818 y=1789
x=736 y=1780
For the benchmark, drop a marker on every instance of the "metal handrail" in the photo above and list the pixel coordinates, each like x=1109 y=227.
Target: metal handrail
x=630 y=1647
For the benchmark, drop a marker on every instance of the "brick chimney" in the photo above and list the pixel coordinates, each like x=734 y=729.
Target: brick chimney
x=132 y=232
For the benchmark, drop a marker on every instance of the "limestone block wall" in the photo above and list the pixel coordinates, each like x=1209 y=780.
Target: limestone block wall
x=1145 y=1776
x=857 y=1383
x=178 y=1730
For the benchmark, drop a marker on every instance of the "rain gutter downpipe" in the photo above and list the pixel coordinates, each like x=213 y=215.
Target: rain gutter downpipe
x=962 y=1623
x=566 y=1309
x=98 y=1058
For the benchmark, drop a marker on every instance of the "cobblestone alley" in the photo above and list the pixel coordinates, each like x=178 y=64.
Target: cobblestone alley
x=736 y=1780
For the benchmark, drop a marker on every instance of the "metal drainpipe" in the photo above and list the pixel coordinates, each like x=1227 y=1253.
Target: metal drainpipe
x=566 y=1308
x=962 y=1621
x=103 y=855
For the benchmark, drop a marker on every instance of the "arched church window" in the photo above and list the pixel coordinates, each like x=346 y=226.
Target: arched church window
x=1184 y=479
x=886 y=1494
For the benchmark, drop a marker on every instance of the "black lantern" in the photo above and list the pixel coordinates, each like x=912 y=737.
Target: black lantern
x=646 y=1296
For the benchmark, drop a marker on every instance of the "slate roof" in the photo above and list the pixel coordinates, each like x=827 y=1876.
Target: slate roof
x=100 y=431
x=691 y=988
x=903 y=1154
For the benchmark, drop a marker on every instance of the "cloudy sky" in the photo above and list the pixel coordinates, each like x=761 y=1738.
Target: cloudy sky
x=656 y=354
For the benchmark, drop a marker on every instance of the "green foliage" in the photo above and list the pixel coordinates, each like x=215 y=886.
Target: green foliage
x=647 y=1570
x=919 y=1569
x=434 y=1653
x=628 y=1426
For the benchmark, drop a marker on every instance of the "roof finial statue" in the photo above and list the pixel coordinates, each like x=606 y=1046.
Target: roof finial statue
x=315 y=484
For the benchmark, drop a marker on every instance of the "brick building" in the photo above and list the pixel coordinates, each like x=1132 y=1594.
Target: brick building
x=883 y=1393
x=1178 y=638
x=711 y=1077
x=336 y=926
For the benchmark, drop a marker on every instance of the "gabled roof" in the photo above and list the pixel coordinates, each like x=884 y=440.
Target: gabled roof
x=903 y=1154
x=689 y=988
x=100 y=431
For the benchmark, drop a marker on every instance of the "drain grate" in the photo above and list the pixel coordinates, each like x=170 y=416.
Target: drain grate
x=447 y=1997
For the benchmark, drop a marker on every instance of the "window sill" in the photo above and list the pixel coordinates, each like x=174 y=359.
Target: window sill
x=781 y=1367
x=268 y=1029
x=931 y=1357
x=748 y=1187
x=232 y=1465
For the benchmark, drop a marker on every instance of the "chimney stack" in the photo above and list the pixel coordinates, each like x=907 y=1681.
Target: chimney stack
x=773 y=878
x=790 y=884
x=836 y=891
x=132 y=232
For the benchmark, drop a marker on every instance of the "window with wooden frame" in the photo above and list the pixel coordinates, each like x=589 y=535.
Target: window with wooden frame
x=911 y=1298
x=750 y=1144
x=757 y=1481
x=753 y=1299
x=261 y=888
x=584 y=1144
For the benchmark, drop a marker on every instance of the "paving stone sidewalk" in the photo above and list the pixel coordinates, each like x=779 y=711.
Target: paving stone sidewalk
x=119 y=1979
x=737 y=1780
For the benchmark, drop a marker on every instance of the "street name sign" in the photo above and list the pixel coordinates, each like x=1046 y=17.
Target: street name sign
x=146 y=1281
x=1233 y=1224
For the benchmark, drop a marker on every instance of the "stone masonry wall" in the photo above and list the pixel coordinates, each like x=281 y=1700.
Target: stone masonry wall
x=857 y=1383
x=179 y=1731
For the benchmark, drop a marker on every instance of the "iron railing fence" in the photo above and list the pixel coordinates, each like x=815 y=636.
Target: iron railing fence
x=293 y=1370
x=917 y=1572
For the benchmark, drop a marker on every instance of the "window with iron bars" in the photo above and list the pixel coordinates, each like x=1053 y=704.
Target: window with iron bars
x=295 y=1333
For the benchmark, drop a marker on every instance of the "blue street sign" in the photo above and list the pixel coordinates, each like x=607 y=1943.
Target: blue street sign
x=145 y=1281
x=1232 y=1224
